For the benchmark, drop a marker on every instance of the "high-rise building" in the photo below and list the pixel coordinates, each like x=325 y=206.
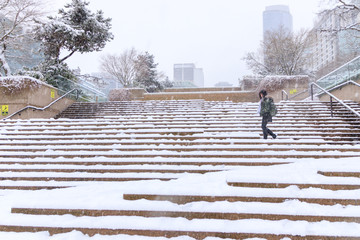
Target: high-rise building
x=187 y=75
x=277 y=16
x=331 y=49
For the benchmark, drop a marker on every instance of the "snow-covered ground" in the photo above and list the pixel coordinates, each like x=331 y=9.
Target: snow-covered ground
x=109 y=196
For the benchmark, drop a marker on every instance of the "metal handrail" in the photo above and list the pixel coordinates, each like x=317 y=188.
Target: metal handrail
x=46 y=107
x=287 y=95
x=282 y=95
x=331 y=98
x=297 y=94
x=83 y=86
x=332 y=72
x=345 y=83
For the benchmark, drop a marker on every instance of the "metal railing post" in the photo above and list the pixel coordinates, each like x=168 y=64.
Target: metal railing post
x=312 y=91
x=333 y=97
x=282 y=95
x=331 y=106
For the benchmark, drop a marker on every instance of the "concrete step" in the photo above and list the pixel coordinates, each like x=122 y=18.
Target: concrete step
x=168 y=233
x=227 y=107
x=184 y=199
x=188 y=114
x=82 y=170
x=232 y=127
x=218 y=107
x=334 y=187
x=336 y=133
x=83 y=179
x=340 y=174
x=255 y=121
x=99 y=137
x=31 y=188
x=238 y=112
x=173 y=124
x=161 y=154
x=162 y=142
x=213 y=113
x=183 y=214
x=346 y=138
x=172 y=148
x=190 y=215
x=146 y=161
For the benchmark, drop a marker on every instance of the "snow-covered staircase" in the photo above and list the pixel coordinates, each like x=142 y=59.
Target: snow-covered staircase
x=196 y=169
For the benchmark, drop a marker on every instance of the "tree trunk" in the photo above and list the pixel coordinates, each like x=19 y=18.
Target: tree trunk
x=62 y=60
x=4 y=67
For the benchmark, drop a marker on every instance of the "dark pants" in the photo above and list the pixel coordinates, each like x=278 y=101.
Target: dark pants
x=265 y=120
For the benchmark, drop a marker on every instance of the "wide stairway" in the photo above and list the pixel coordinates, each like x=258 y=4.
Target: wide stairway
x=181 y=170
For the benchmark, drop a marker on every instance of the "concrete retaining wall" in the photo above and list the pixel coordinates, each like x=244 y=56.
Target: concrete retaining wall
x=39 y=97
x=235 y=96
x=208 y=89
x=126 y=94
x=347 y=92
x=295 y=86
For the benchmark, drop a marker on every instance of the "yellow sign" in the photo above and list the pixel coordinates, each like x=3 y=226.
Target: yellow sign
x=52 y=93
x=293 y=91
x=5 y=110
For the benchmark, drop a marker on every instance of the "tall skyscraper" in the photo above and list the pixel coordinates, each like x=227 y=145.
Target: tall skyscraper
x=187 y=75
x=276 y=16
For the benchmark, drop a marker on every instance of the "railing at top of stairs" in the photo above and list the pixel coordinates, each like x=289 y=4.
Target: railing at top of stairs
x=287 y=98
x=46 y=107
x=348 y=71
x=333 y=97
x=284 y=93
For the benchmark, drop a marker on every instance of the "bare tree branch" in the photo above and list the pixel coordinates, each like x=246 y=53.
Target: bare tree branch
x=123 y=67
x=281 y=53
x=346 y=13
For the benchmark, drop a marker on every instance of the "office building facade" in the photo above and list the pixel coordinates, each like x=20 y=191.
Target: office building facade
x=187 y=75
x=332 y=49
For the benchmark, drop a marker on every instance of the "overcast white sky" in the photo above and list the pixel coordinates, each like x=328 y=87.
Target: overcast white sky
x=213 y=34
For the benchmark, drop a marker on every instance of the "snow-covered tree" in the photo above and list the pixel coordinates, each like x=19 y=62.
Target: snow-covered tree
x=75 y=29
x=133 y=69
x=147 y=75
x=165 y=81
x=281 y=53
x=16 y=17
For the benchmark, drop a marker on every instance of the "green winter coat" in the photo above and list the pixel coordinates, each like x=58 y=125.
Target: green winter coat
x=268 y=107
